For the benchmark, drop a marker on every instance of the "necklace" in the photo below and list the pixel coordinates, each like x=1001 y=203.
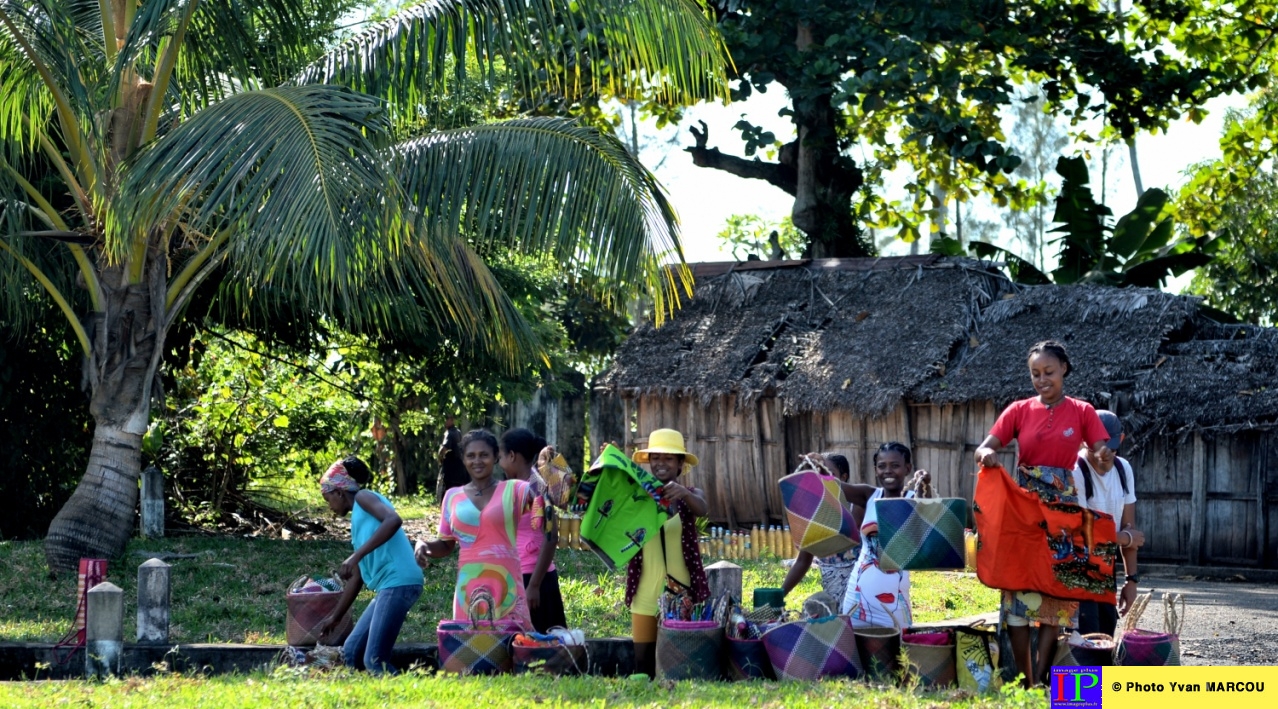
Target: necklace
x=477 y=492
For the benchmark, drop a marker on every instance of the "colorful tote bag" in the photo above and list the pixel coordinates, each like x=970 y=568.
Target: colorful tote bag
x=689 y=649
x=806 y=650
x=478 y=647
x=921 y=533
x=559 y=480
x=973 y=659
x=1055 y=548
x=821 y=521
x=1138 y=647
x=622 y=513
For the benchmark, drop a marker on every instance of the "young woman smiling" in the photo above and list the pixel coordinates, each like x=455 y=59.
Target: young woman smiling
x=482 y=517
x=1049 y=430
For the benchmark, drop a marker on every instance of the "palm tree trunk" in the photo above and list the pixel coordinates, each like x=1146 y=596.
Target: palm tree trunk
x=98 y=519
x=127 y=339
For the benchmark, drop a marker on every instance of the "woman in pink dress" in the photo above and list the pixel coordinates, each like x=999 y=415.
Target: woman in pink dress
x=482 y=518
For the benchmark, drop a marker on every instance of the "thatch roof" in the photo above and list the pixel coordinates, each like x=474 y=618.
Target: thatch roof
x=863 y=334
x=839 y=333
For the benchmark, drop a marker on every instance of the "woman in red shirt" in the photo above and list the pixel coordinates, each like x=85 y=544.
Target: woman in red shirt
x=1048 y=429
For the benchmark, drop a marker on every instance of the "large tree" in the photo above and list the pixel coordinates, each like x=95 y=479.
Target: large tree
x=878 y=84
x=186 y=142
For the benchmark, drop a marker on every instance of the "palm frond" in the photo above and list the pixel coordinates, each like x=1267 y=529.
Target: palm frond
x=549 y=185
x=294 y=172
x=664 y=47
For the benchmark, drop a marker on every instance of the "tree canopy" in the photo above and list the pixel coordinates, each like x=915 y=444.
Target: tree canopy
x=145 y=147
x=920 y=84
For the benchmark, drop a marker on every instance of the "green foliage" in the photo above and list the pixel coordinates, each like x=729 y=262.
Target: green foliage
x=1242 y=277
x=45 y=430
x=751 y=235
x=920 y=85
x=1134 y=251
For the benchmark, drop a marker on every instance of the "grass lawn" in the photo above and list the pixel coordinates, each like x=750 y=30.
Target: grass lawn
x=233 y=591
x=421 y=690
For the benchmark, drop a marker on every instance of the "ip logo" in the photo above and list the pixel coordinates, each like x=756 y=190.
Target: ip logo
x=1075 y=687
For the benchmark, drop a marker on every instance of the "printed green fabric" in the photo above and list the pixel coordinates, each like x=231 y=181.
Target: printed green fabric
x=622 y=513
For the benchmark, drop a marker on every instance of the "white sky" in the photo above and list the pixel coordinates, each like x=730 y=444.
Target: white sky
x=705 y=197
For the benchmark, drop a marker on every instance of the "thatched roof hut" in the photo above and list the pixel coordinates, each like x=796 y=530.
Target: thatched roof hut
x=772 y=359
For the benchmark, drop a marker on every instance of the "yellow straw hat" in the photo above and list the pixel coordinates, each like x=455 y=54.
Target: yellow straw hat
x=665 y=440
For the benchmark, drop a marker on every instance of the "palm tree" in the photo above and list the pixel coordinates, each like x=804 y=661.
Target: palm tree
x=147 y=144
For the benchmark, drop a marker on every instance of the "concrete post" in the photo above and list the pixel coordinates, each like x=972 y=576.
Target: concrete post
x=724 y=576
x=153 y=602
x=152 y=503
x=104 y=630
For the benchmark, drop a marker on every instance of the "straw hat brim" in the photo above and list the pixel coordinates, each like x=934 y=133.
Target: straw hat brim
x=641 y=456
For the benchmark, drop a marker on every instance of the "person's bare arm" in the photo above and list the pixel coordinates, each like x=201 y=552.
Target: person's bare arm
x=1134 y=539
x=797 y=571
x=694 y=499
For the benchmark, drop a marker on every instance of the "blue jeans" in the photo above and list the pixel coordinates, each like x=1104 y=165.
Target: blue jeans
x=370 y=643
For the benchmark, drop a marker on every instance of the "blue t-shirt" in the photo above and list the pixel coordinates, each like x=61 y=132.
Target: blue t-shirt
x=389 y=565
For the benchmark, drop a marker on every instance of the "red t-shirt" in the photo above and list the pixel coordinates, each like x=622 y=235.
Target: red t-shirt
x=1049 y=436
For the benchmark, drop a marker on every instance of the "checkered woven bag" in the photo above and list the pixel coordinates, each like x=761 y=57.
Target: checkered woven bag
x=821 y=521
x=478 y=646
x=921 y=533
x=1147 y=648
x=807 y=650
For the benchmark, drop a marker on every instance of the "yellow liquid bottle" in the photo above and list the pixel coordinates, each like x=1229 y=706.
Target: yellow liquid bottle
x=774 y=541
x=788 y=542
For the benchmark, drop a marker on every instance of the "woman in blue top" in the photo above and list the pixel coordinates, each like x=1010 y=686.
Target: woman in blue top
x=383 y=561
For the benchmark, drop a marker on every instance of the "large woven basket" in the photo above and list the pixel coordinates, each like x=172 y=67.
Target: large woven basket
x=880 y=650
x=689 y=649
x=306 y=612
x=931 y=658
x=807 y=650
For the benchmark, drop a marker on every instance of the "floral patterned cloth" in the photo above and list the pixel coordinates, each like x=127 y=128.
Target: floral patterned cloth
x=488 y=557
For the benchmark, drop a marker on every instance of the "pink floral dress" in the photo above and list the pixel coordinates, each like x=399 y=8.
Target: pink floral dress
x=488 y=557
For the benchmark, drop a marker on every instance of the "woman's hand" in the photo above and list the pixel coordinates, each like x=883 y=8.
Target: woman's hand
x=347 y=569
x=533 y=595
x=921 y=477
x=546 y=455
x=672 y=491
x=987 y=457
x=1126 y=598
x=326 y=628
x=421 y=553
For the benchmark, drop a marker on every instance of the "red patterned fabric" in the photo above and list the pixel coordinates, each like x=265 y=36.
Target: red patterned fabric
x=1028 y=544
x=691 y=557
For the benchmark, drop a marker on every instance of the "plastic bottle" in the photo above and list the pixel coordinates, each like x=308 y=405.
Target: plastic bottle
x=774 y=541
x=756 y=541
x=787 y=543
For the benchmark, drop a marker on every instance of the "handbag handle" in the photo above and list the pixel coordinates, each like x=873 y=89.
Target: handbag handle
x=923 y=489
x=480 y=595
x=807 y=463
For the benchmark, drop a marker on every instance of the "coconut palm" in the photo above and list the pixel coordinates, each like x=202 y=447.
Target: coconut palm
x=147 y=144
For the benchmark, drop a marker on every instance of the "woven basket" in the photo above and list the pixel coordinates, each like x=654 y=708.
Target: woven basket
x=880 y=651
x=931 y=658
x=807 y=650
x=819 y=515
x=306 y=612
x=1070 y=655
x=1138 y=647
x=689 y=649
x=479 y=646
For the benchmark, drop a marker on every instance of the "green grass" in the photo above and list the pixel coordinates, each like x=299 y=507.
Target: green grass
x=234 y=590
x=421 y=690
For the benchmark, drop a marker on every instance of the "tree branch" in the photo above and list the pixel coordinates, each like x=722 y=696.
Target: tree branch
x=776 y=174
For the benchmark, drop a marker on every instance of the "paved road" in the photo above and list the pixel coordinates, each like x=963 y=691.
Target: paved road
x=1226 y=623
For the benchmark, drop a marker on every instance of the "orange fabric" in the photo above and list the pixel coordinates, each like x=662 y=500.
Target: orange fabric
x=1055 y=548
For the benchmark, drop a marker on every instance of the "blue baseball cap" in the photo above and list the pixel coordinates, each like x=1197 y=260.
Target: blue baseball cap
x=1114 y=427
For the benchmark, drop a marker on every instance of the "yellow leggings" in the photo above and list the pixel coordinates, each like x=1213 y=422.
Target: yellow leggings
x=643 y=628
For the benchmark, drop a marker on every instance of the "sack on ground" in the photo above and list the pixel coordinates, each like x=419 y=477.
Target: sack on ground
x=309 y=601
x=806 y=650
x=1055 y=548
x=974 y=660
x=821 y=521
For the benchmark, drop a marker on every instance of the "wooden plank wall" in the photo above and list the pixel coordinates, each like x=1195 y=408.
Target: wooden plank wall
x=1204 y=499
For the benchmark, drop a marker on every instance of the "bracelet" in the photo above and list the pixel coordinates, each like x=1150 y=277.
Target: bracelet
x=1129 y=539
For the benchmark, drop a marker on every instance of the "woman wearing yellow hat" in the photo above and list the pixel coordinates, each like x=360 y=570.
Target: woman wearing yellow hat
x=672 y=558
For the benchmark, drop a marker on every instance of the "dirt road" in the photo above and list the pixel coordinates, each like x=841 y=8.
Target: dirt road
x=1226 y=623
